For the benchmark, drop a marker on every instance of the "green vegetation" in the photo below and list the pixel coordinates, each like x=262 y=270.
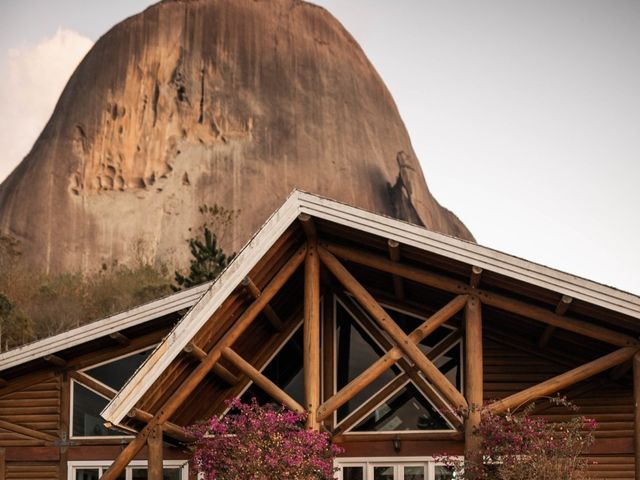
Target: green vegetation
x=208 y=259
x=36 y=305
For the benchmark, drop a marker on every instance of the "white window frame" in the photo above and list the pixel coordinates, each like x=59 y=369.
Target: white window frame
x=103 y=465
x=368 y=463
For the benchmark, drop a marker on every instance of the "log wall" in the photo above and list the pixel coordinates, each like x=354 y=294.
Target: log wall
x=508 y=370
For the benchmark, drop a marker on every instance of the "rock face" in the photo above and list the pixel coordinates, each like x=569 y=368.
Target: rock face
x=192 y=102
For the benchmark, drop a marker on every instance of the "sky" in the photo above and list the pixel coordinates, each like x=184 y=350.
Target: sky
x=525 y=115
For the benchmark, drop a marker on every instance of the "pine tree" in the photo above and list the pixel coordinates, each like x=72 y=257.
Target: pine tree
x=207 y=263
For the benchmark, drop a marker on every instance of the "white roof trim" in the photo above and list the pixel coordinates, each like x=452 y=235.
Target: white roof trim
x=472 y=254
x=101 y=328
x=405 y=233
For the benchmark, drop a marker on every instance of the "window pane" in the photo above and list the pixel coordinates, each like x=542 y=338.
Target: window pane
x=356 y=351
x=285 y=370
x=443 y=473
x=413 y=473
x=87 y=406
x=353 y=473
x=449 y=364
x=408 y=323
x=382 y=473
x=138 y=474
x=87 y=474
x=171 y=474
x=116 y=374
x=406 y=410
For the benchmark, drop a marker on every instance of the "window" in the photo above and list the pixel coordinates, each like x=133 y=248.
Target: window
x=407 y=409
x=137 y=470
x=285 y=370
x=87 y=403
x=392 y=469
x=355 y=352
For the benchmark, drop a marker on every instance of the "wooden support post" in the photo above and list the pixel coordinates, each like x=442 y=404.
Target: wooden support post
x=65 y=418
x=197 y=375
x=474 y=279
x=562 y=306
x=394 y=254
x=487 y=298
x=154 y=445
x=389 y=358
x=170 y=428
x=271 y=315
x=564 y=380
x=473 y=379
x=311 y=336
x=263 y=382
x=386 y=323
x=636 y=412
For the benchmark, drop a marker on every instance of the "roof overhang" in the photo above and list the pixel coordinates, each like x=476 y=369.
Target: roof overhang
x=355 y=219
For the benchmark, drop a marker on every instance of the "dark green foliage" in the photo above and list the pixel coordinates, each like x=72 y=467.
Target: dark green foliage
x=207 y=263
x=208 y=258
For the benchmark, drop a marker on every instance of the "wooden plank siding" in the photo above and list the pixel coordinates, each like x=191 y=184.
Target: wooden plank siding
x=36 y=407
x=31 y=471
x=508 y=370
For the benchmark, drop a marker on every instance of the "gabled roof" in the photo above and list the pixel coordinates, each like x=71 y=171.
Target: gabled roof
x=102 y=328
x=526 y=278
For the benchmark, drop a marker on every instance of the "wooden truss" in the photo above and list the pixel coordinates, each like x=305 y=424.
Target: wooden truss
x=316 y=254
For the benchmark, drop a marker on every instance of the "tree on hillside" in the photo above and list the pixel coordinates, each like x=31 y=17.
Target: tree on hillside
x=208 y=258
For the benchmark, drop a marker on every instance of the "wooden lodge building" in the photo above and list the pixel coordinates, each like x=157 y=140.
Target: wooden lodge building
x=377 y=328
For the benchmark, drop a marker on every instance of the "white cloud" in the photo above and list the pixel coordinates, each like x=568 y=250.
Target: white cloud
x=29 y=89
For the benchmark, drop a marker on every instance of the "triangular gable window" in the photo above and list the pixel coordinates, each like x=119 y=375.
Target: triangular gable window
x=355 y=352
x=285 y=370
x=405 y=410
x=87 y=406
x=115 y=374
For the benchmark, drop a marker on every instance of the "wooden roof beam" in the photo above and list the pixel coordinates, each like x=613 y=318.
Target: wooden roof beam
x=271 y=315
x=501 y=302
x=199 y=354
x=308 y=226
x=120 y=339
x=386 y=323
x=173 y=430
x=474 y=278
x=562 y=306
x=55 y=360
x=564 y=380
x=179 y=395
x=263 y=382
x=394 y=255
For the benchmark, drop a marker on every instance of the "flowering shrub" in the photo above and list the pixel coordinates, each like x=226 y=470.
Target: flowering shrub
x=518 y=446
x=262 y=443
